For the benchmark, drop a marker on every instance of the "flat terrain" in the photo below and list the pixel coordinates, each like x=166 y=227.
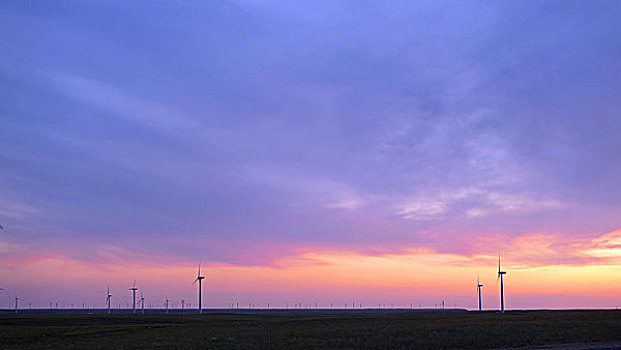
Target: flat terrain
x=397 y=329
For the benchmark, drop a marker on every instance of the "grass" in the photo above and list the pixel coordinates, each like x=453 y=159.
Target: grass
x=309 y=330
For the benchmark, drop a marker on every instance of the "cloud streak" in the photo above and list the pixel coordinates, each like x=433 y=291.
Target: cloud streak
x=120 y=104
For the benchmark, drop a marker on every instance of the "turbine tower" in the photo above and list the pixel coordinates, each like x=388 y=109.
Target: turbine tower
x=167 y=304
x=108 y=299
x=16 y=301
x=502 y=289
x=134 y=289
x=479 y=285
x=142 y=302
x=200 y=279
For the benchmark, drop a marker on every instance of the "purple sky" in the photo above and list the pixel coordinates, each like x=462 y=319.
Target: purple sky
x=240 y=132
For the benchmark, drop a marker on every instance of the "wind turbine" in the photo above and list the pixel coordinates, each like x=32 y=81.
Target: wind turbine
x=167 y=304
x=479 y=285
x=502 y=289
x=134 y=289
x=142 y=302
x=200 y=279
x=16 y=301
x=108 y=299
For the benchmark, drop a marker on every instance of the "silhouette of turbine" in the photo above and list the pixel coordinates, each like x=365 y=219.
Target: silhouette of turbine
x=134 y=289
x=142 y=302
x=167 y=304
x=200 y=279
x=479 y=285
x=108 y=299
x=502 y=289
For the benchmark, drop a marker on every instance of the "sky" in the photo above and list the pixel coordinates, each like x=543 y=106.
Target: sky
x=367 y=152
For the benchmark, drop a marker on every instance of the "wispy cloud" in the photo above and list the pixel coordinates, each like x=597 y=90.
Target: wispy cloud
x=310 y=190
x=495 y=203
x=606 y=247
x=17 y=210
x=431 y=207
x=477 y=202
x=122 y=104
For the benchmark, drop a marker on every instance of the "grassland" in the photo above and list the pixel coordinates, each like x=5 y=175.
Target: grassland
x=309 y=330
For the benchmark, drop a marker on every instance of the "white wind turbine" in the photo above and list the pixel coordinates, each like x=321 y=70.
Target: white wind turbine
x=200 y=279
x=134 y=289
x=502 y=289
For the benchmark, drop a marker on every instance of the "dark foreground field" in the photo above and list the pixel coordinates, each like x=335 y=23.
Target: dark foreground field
x=309 y=330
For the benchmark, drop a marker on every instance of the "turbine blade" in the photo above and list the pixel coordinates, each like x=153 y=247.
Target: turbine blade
x=498 y=262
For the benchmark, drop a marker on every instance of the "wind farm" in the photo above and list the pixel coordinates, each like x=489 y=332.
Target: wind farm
x=246 y=174
x=293 y=327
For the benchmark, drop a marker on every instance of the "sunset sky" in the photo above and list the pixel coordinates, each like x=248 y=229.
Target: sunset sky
x=311 y=152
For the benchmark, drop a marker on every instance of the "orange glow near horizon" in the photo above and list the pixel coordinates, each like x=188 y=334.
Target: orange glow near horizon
x=324 y=276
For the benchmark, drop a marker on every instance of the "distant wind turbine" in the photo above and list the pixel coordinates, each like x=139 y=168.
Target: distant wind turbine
x=167 y=304
x=142 y=302
x=200 y=279
x=479 y=285
x=502 y=289
x=108 y=300
x=134 y=289
x=16 y=302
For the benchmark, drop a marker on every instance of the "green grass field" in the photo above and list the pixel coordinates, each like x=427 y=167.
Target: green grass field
x=309 y=330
